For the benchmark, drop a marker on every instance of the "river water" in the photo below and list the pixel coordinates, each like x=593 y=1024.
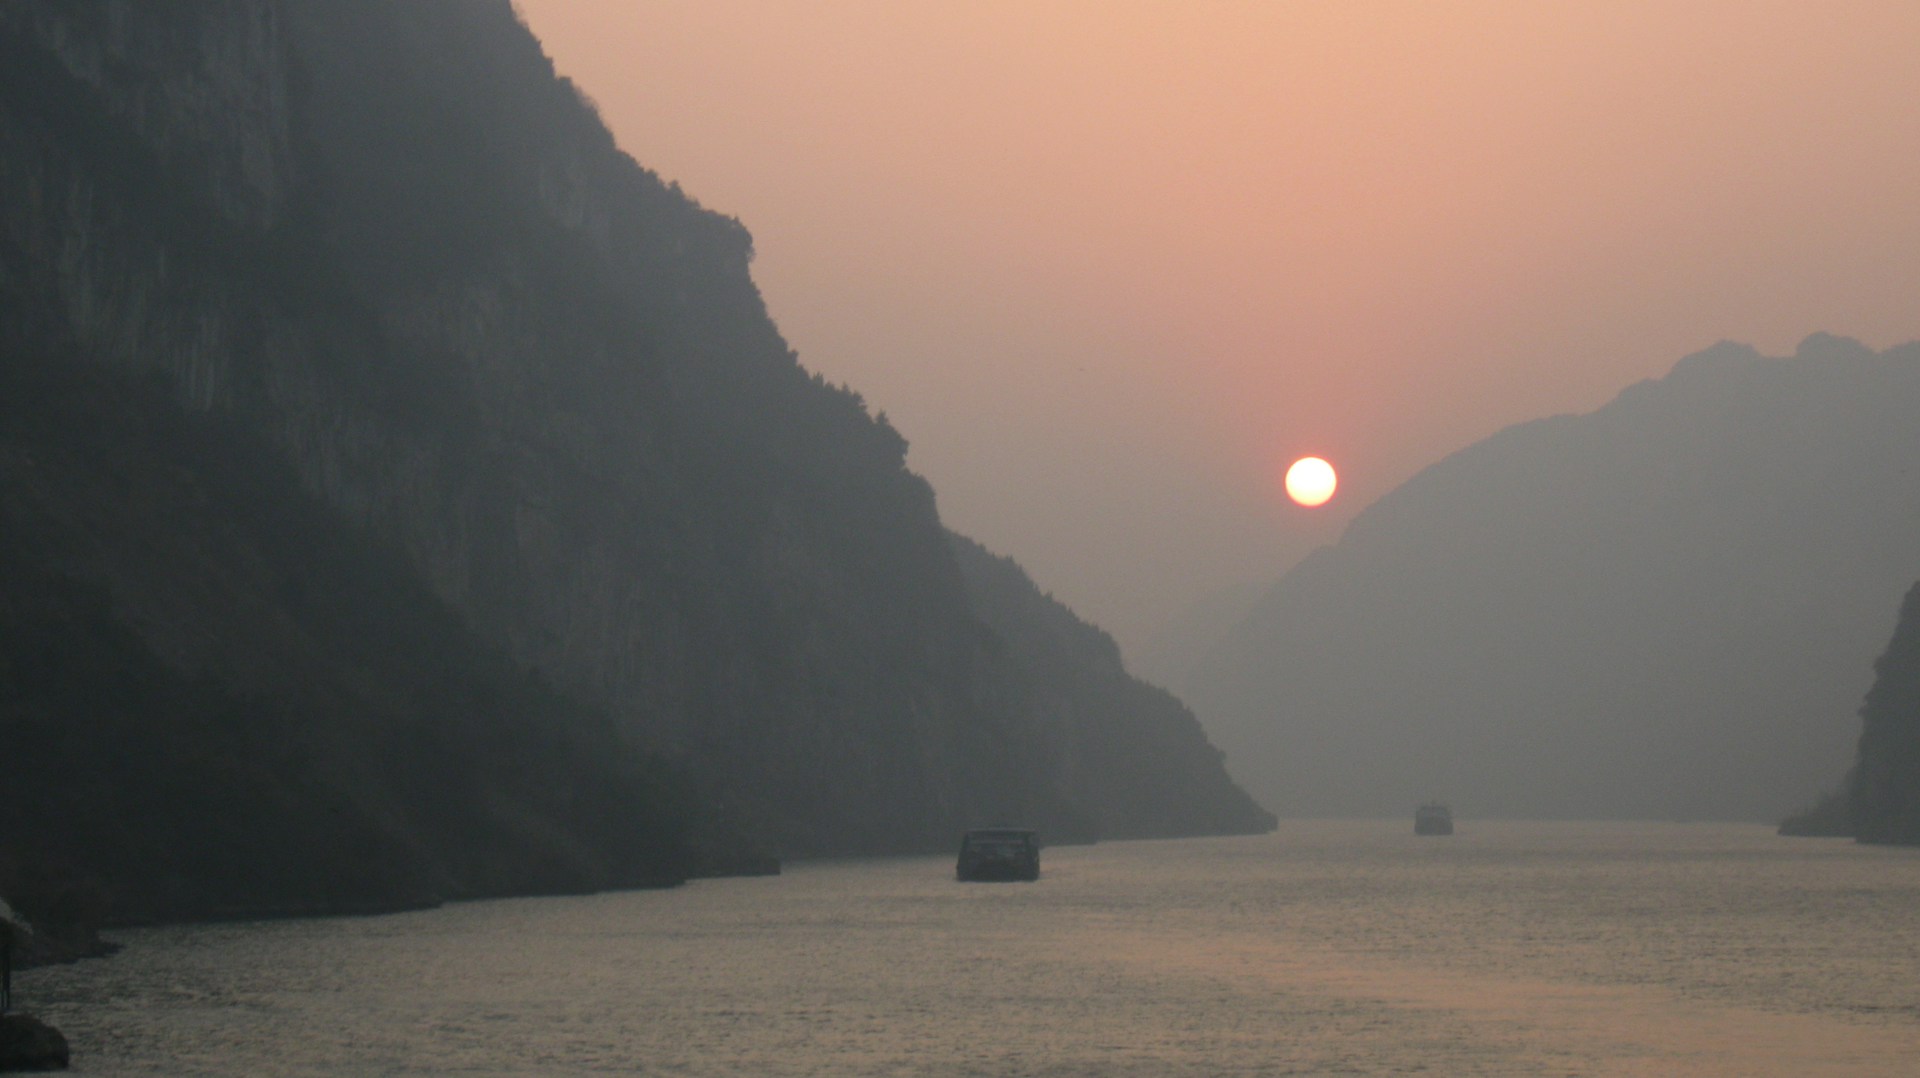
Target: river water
x=1341 y=947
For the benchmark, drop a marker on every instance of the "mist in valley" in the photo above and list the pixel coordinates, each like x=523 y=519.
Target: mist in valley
x=614 y=495
x=1458 y=252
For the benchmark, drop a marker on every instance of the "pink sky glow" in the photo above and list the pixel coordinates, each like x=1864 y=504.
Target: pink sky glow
x=1110 y=266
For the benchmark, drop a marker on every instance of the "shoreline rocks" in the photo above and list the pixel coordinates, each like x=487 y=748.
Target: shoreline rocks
x=28 y=1044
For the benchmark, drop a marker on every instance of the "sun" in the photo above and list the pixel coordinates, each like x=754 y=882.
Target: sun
x=1311 y=481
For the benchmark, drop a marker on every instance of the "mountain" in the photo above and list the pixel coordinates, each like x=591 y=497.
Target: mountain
x=1880 y=799
x=408 y=496
x=1883 y=791
x=1665 y=608
x=218 y=698
x=1132 y=757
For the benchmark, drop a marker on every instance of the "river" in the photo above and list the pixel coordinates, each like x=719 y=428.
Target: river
x=1330 y=947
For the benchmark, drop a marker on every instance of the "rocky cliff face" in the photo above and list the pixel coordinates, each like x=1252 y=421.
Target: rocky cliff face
x=406 y=264
x=1883 y=792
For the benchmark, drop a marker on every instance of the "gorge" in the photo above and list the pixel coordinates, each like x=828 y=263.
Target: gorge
x=409 y=497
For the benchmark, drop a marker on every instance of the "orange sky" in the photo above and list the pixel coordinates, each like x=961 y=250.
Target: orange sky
x=1109 y=266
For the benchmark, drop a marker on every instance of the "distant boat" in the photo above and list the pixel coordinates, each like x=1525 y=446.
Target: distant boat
x=1433 y=818
x=999 y=853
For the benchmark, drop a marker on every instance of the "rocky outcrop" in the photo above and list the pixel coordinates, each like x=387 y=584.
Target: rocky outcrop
x=1883 y=791
x=28 y=1044
x=1829 y=817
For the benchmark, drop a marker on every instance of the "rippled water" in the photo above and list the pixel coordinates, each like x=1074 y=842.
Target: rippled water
x=1328 y=948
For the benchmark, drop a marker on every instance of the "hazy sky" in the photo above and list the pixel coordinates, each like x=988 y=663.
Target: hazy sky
x=1110 y=266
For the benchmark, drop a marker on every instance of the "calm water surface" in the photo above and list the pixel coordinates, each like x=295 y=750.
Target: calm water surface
x=1328 y=948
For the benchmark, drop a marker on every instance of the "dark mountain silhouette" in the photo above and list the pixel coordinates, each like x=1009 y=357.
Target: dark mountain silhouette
x=1665 y=608
x=408 y=495
x=1880 y=801
x=215 y=697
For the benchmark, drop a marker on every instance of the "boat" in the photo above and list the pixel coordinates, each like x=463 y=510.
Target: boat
x=999 y=853
x=1433 y=818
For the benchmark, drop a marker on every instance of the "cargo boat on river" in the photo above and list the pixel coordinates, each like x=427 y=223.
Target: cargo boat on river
x=1433 y=818
x=999 y=854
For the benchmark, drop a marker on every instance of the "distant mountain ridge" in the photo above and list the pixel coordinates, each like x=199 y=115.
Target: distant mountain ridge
x=454 y=509
x=1666 y=608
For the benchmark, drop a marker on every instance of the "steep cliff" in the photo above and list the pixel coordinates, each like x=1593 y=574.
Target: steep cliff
x=1883 y=791
x=377 y=265
x=215 y=697
x=1660 y=609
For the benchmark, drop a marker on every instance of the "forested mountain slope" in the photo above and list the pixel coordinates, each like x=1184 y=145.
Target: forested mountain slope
x=216 y=697
x=399 y=418
x=1132 y=756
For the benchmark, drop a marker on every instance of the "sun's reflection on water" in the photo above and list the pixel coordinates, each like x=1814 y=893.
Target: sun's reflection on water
x=1601 y=949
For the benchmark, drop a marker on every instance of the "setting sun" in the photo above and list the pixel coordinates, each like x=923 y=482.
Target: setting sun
x=1311 y=481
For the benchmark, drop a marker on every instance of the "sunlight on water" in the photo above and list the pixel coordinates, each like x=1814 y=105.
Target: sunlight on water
x=1329 y=948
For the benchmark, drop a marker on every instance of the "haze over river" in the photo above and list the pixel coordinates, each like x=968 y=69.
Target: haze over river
x=1337 y=947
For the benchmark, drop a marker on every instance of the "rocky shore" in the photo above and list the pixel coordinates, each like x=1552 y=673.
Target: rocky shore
x=28 y=1044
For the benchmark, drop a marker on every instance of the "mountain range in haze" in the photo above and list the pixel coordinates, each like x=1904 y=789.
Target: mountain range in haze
x=408 y=496
x=1667 y=608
